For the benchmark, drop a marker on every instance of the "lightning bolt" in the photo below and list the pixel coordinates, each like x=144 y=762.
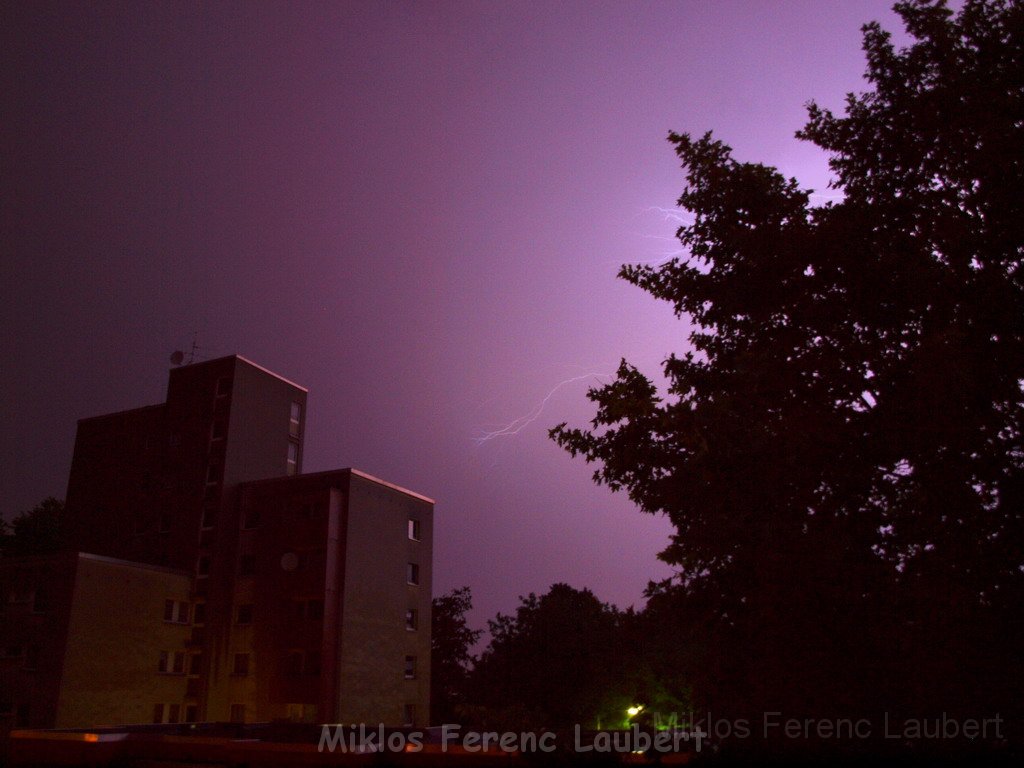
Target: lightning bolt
x=516 y=426
x=674 y=215
x=677 y=215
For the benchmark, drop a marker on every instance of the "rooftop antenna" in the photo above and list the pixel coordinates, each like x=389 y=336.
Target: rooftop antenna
x=178 y=357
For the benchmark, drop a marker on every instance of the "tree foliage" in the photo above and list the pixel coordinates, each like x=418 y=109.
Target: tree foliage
x=451 y=645
x=841 y=451
x=35 y=532
x=548 y=664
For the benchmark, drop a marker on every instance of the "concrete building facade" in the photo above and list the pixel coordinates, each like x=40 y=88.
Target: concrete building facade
x=255 y=592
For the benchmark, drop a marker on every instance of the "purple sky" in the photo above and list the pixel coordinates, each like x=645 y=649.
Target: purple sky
x=415 y=209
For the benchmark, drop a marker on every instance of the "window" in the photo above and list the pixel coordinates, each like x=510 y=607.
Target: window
x=414 y=529
x=312 y=662
x=250 y=519
x=241 y=665
x=173 y=713
x=295 y=419
x=412 y=573
x=176 y=611
x=191 y=713
x=237 y=713
x=40 y=600
x=209 y=517
x=244 y=615
x=411 y=619
x=293 y=457
x=213 y=473
x=223 y=387
x=203 y=566
x=199 y=613
x=195 y=664
x=171 y=663
x=158 y=713
x=293 y=664
x=410 y=667
x=409 y=714
x=22 y=593
x=164 y=523
x=247 y=565
x=219 y=430
x=315 y=610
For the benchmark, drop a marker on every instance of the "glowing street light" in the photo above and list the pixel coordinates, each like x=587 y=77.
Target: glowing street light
x=635 y=710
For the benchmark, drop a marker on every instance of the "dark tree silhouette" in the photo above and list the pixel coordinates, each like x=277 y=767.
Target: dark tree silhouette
x=35 y=532
x=842 y=451
x=451 y=644
x=551 y=664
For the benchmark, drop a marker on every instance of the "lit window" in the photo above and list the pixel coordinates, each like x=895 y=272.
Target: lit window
x=241 y=666
x=411 y=619
x=295 y=419
x=414 y=529
x=410 y=667
x=244 y=614
x=293 y=457
x=412 y=573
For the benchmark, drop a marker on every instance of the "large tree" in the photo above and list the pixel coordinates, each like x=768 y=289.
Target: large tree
x=34 y=532
x=841 y=450
x=553 y=663
x=451 y=652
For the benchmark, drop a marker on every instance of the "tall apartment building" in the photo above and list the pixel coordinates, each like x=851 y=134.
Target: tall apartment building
x=209 y=579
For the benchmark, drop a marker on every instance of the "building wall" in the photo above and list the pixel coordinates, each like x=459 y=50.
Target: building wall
x=119 y=487
x=35 y=600
x=172 y=488
x=116 y=631
x=234 y=421
x=282 y=538
x=372 y=685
